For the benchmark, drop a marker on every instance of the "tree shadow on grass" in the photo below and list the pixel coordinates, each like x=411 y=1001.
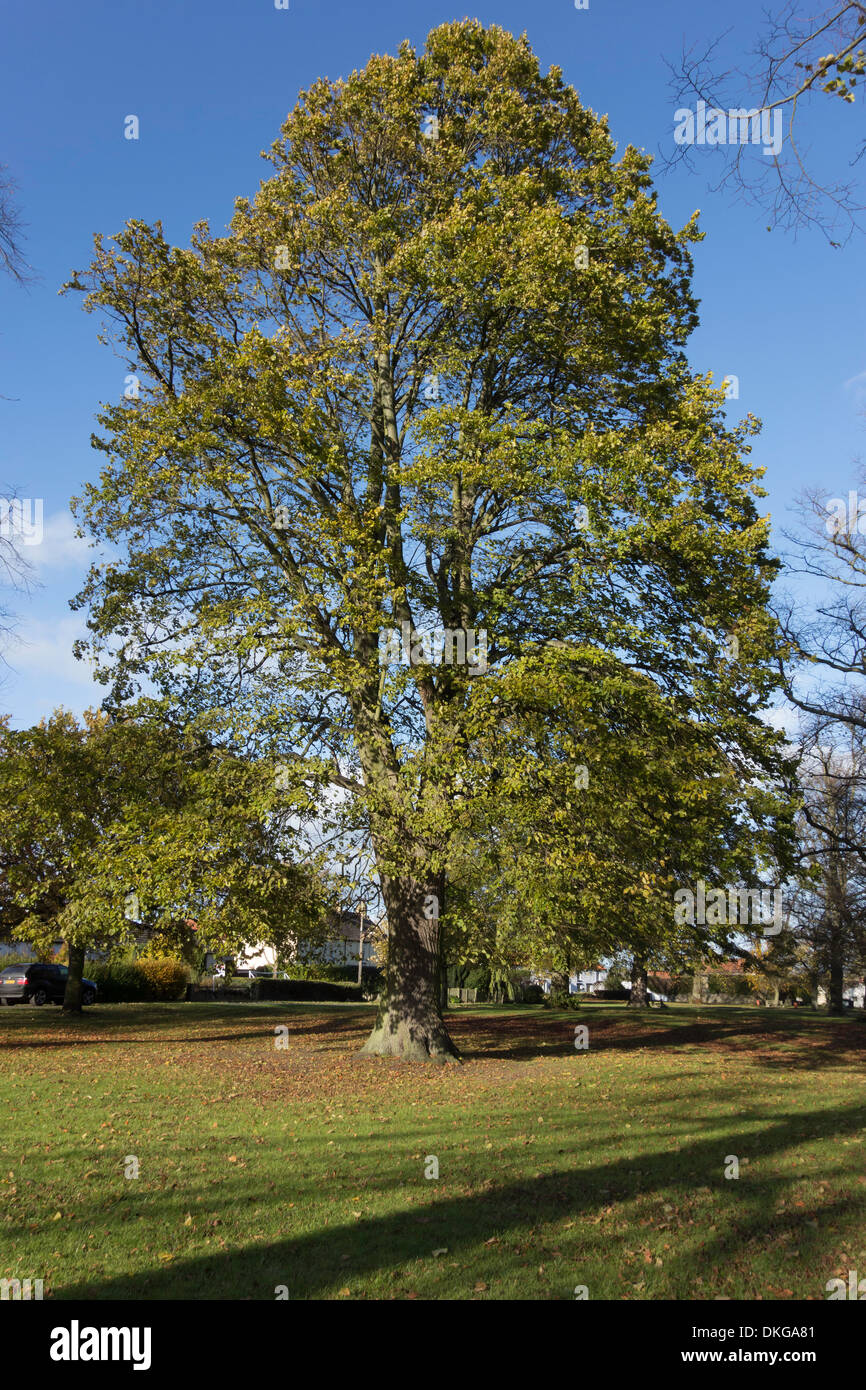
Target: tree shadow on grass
x=310 y=1265
x=827 y=1043
x=21 y=1032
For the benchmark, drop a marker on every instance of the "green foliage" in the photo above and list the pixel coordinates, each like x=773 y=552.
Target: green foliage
x=311 y=990
x=148 y=979
x=20 y=958
x=561 y=999
x=91 y=810
x=287 y=490
x=166 y=977
x=173 y=936
x=533 y=994
x=616 y=973
x=321 y=970
x=733 y=986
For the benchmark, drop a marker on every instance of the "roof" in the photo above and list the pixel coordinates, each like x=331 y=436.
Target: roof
x=348 y=926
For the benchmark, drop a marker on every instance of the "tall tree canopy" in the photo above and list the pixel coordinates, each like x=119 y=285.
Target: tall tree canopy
x=433 y=375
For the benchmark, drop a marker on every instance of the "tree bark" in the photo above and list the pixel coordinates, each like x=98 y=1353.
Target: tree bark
x=409 y=1022
x=639 y=997
x=72 y=993
x=837 y=969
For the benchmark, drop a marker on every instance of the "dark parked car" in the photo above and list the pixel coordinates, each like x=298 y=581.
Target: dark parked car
x=39 y=984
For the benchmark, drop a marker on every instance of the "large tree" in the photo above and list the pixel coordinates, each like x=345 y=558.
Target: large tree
x=432 y=376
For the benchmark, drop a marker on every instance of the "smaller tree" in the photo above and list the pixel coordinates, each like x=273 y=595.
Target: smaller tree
x=831 y=903
x=90 y=811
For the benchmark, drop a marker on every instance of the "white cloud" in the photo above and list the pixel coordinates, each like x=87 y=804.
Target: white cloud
x=43 y=647
x=60 y=548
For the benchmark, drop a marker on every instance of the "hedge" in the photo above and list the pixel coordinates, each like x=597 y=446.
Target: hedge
x=321 y=990
x=141 y=981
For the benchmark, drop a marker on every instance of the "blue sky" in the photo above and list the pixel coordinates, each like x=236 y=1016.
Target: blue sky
x=211 y=82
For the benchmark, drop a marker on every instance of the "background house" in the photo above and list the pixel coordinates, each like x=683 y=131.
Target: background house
x=854 y=992
x=341 y=947
x=580 y=982
x=587 y=980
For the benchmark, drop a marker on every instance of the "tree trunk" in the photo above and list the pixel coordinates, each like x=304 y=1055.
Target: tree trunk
x=409 y=1021
x=837 y=970
x=72 y=993
x=639 y=997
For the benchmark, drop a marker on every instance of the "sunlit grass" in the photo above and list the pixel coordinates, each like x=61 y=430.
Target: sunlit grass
x=304 y=1167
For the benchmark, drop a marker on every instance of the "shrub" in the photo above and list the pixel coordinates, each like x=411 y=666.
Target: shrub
x=316 y=970
x=371 y=975
x=561 y=999
x=533 y=994
x=118 y=982
x=165 y=976
x=16 y=958
x=321 y=991
x=610 y=994
x=734 y=986
x=132 y=982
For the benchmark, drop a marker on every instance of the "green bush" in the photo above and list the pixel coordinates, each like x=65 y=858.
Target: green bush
x=16 y=958
x=141 y=981
x=118 y=982
x=165 y=976
x=320 y=991
x=314 y=970
x=561 y=999
x=371 y=975
x=734 y=986
x=533 y=994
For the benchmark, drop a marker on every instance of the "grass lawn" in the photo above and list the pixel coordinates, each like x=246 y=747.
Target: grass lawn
x=305 y=1167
